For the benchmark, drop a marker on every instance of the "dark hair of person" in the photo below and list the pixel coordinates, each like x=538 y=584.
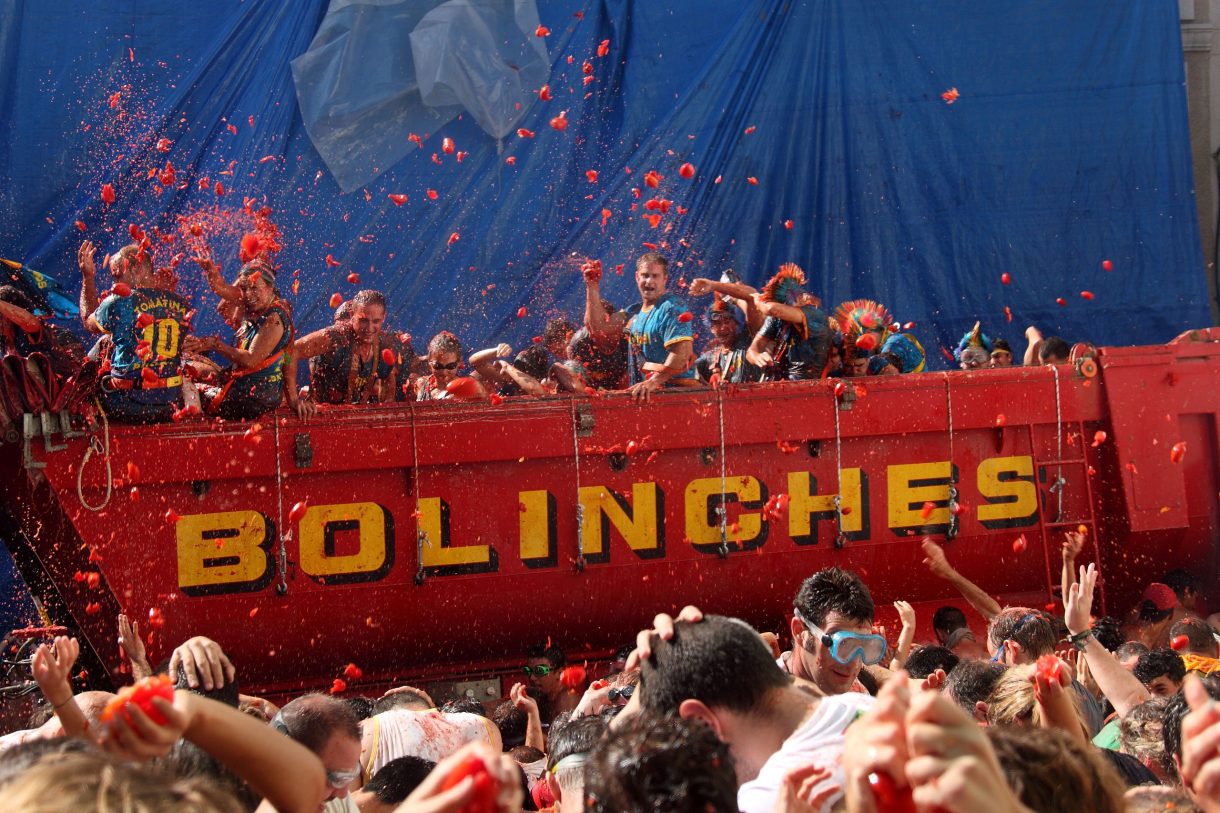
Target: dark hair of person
x=313 y=719
x=445 y=342
x=578 y=736
x=525 y=754
x=719 y=661
x=1199 y=636
x=1130 y=649
x=227 y=694
x=131 y=257
x=407 y=697
x=557 y=331
x=1054 y=347
x=188 y=761
x=362 y=707
x=550 y=653
x=927 y=659
x=971 y=681
x=1158 y=662
x=1108 y=631
x=1001 y=344
x=655 y=258
x=948 y=618
x=15 y=296
x=464 y=705
x=1027 y=627
x=667 y=764
x=512 y=723
x=1041 y=763
x=834 y=590
x=365 y=298
x=1177 y=709
x=532 y=361
x=397 y=778
x=1181 y=581
x=1150 y=613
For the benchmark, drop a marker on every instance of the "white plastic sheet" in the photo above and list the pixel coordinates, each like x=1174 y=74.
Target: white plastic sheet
x=378 y=70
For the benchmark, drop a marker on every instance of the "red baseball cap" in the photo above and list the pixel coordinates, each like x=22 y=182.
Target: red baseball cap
x=1161 y=595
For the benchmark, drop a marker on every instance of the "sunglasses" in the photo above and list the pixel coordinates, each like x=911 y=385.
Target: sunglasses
x=623 y=693
x=341 y=779
x=453 y=365
x=540 y=670
x=845 y=647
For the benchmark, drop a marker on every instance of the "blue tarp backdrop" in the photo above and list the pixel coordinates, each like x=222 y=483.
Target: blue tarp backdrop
x=1068 y=145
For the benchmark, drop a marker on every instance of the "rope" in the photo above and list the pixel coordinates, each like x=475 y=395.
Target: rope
x=954 y=523
x=1060 y=482
x=580 y=508
x=282 y=559
x=722 y=508
x=420 y=536
x=840 y=537
x=104 y=450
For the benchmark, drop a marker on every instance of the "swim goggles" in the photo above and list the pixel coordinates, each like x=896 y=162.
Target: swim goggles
x=845 y=646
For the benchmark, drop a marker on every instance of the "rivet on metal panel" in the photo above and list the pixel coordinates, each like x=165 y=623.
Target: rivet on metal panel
x=618 y=461
x=814 y=447
x=302 y=450
x=707 y=455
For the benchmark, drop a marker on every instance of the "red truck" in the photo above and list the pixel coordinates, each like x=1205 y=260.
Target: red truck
x=435 y=542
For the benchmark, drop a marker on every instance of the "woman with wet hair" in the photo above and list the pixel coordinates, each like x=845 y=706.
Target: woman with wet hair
x=256 y=381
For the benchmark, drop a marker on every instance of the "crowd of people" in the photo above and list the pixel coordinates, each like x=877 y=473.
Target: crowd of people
x=700 y=714
x=148 y=365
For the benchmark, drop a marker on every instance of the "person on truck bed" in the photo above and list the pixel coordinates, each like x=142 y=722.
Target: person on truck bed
x=347 y=362
x=794 y=341
x=973 y=352
x=1001 y=353
x=444 y=362
x=258 y=378
x=148 y=331
x=657 y=328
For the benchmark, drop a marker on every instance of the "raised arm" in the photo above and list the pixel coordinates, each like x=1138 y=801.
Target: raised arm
x=1034 y=337
x=905 y=638
x=484 y=361
x=936 y=561
x=741 y=294
x=779 y=310
x=1121 y=688
x=88 y=285
x=533 y=726
x=52 y=668
x=211 y=272
x=602 y=326
x=133 y=647
x=1073 y=543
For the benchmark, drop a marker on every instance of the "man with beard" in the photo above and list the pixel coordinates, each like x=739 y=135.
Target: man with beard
x=657 y=328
